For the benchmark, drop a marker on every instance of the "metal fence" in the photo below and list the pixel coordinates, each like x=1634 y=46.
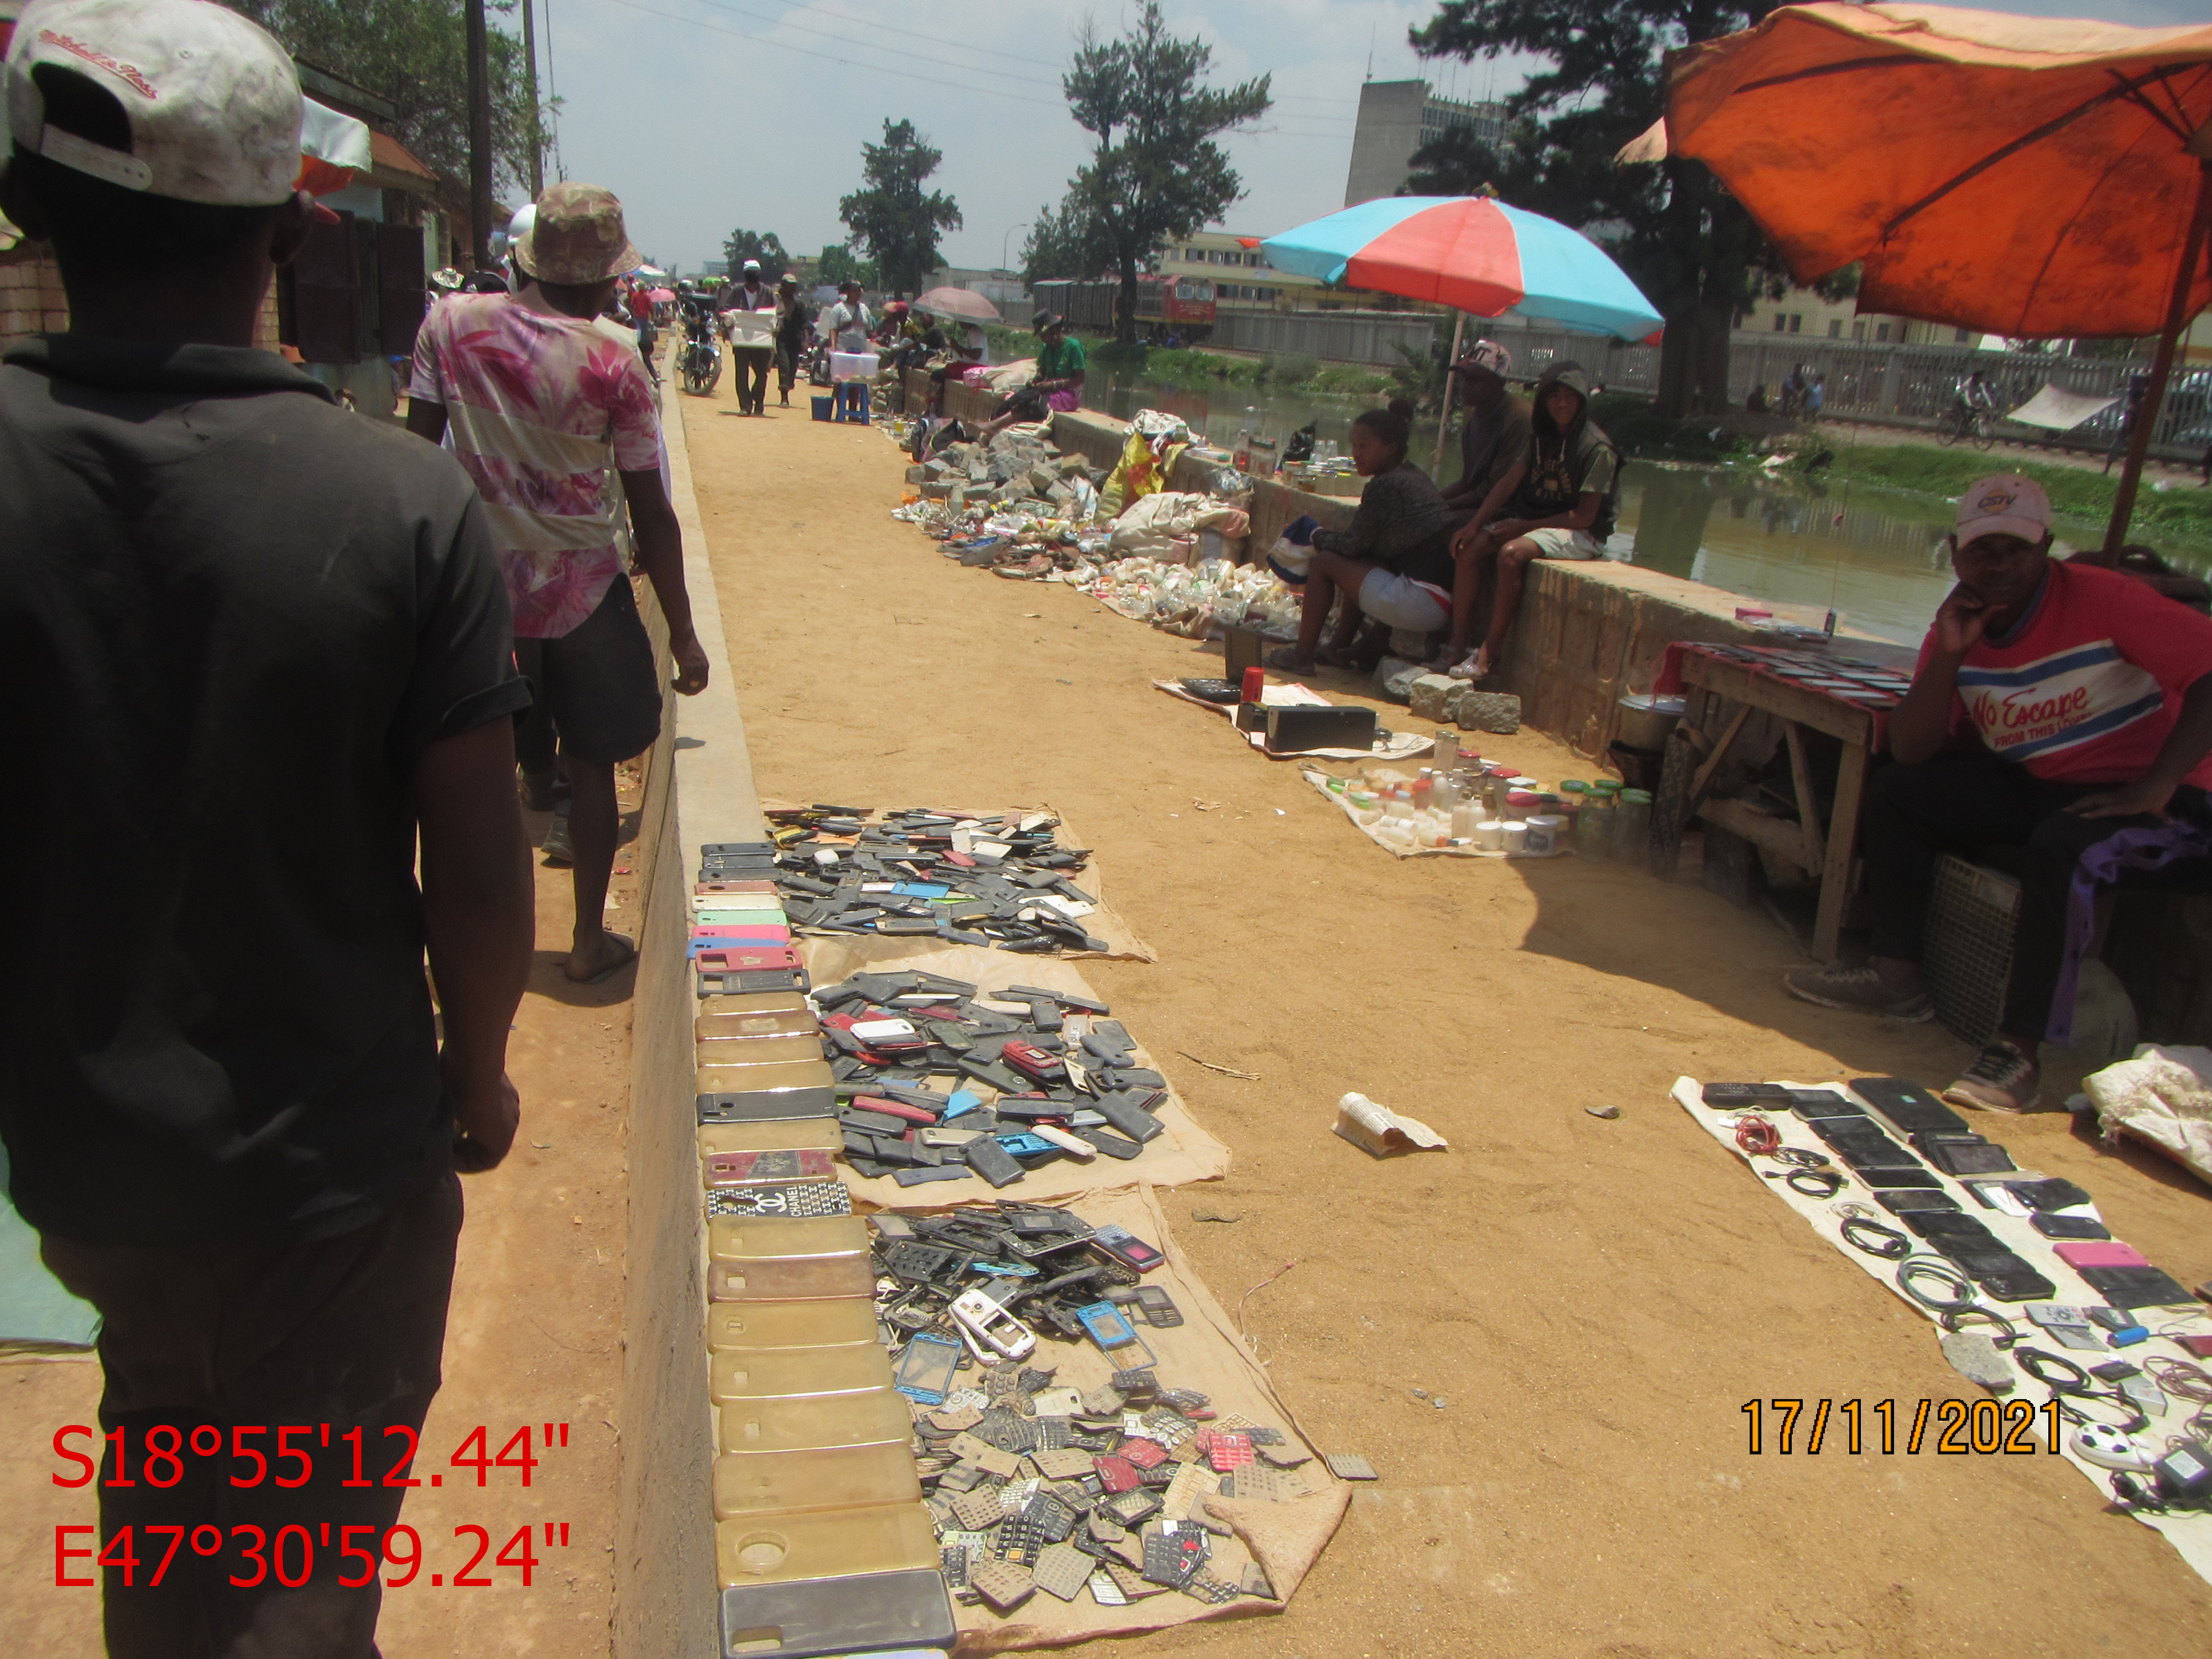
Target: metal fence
x=1333 y=336
x=1898 y=384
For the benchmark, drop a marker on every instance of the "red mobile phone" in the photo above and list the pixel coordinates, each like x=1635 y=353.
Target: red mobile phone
x=1125 y=1247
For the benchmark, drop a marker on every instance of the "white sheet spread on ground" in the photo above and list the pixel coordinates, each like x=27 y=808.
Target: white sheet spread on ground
x=1318 y=780
x=1206 y=1353
x=2190 y=1534
x=1105 y=922
x=1182 y=1153
x=1389 y=745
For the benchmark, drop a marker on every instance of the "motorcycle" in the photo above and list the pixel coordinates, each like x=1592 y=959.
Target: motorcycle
x=700 y=363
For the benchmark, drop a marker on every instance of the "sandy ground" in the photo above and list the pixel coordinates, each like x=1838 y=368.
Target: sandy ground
x=1594 y=1300
x=533 y=1336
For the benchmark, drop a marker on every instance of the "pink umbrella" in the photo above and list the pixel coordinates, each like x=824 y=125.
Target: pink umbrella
x=661 y=297
x=964 y=303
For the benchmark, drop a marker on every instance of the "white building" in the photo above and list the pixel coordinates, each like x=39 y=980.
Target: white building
x=1396 y=118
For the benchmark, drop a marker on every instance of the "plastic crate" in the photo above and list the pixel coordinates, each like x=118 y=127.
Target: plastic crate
x=1967 y=957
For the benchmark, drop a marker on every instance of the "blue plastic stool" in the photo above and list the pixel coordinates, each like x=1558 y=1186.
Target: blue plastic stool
x=853 y=400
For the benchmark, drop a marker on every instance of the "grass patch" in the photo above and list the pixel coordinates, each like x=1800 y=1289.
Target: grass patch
x=1193 y=369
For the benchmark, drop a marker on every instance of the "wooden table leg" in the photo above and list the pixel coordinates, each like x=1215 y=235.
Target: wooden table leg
x=1809 y=807
x=1843 y=844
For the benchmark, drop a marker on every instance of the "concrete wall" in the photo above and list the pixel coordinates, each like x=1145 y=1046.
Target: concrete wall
x=699 y=787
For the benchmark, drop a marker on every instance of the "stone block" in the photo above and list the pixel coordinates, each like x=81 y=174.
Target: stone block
x=1435 y=696
x=1489 y=711
x=915 y=475
x=1394 y=678
x=1042 y=478
x=935 y=490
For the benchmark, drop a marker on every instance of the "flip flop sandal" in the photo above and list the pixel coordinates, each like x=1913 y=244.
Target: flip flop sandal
x=1464 y=668
x=1285 y=657
x=630 y=955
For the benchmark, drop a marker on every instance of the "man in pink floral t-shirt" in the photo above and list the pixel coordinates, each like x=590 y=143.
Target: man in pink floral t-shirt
x=546 y=411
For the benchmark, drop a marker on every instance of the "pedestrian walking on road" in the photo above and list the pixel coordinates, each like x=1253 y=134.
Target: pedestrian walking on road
x=749 y=323
x=257 y=663
x=794 y=320
x=543 y=407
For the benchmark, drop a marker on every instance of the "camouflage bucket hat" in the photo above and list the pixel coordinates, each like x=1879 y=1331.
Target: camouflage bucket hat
x=578 y=237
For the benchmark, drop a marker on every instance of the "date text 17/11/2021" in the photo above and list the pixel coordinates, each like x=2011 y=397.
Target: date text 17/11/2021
x=288 y=1557
x=284 y=1454
x=1949 y=1428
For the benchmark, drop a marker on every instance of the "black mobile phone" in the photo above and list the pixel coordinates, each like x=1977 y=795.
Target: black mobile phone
x=1910 y=1107
x=1727 y=1094
x=2067 y=1226
x=1159 y=1309
x=1125 y=1247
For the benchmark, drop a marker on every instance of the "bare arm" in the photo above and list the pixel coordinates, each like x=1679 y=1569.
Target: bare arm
x=2189 y=742
x=1920 y=726
x=1580 y=516
x=1499 y=494
x=479 y=912
x=661 y=556
x=426 y=419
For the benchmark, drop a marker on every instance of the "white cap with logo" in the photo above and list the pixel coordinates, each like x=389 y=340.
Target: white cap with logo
x=213 y=102
x=2003 y=504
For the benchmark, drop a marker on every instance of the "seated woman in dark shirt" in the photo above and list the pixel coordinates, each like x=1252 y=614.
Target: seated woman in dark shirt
x=1393 y=565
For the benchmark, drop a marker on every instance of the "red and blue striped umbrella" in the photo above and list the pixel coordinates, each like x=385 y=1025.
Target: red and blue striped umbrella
x=1474 y=254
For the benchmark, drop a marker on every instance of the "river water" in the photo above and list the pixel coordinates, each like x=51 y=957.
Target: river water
x=1876 y=556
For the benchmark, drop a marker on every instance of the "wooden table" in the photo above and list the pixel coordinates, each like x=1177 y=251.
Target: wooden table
x=1723 y=686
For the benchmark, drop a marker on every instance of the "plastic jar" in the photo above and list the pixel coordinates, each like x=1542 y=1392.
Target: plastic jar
x=1593 y=826
x=1546 y=835
x=1632 y=834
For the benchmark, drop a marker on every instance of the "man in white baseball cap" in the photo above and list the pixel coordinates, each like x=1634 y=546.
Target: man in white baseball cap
x=257 y=654
x=2058 y=707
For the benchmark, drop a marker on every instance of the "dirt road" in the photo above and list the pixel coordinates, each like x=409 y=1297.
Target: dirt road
x=1593 y=1300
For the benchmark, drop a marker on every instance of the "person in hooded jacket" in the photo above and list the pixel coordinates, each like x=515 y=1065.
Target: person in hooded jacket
x=1559 y=504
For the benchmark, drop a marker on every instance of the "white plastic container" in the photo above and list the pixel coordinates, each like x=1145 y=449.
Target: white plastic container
x=1515 y=833
x=1490 y=836
x=1546 y=835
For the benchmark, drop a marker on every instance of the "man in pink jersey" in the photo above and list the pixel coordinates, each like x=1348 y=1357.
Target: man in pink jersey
x=545 y=412
x=2058 y=707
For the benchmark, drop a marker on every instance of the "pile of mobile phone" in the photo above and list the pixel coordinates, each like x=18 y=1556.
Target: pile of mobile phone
x=1036 y=1484
x=988 y=879
x=941 y=1081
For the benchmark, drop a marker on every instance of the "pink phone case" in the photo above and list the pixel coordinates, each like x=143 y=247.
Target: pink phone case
x=2097 y=1253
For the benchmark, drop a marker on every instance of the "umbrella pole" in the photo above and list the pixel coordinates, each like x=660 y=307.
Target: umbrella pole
x=1443 y=419
x=2177 y=319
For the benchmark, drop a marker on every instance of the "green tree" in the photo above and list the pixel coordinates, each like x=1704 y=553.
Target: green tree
x=1063 y=244
x=1673 y=226
x=415 y=53
x=764 y=245
x=1455 y=162
x=893 y=219
x=838 y=264
x=1155 y=171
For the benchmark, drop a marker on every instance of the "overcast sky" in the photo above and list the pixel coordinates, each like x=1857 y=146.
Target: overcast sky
x=707 y=115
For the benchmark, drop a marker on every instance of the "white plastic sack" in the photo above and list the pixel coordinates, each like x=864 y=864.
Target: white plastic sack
x=1151 y=525
x=2163 y=1097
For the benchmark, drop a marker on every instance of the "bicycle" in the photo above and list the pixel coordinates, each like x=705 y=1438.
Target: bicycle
x=1971 y=424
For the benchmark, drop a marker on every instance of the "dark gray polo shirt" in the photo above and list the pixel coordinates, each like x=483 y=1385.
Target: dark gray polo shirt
x=231 y=617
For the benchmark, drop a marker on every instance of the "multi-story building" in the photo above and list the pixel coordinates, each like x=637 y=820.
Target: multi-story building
x=1396 y=118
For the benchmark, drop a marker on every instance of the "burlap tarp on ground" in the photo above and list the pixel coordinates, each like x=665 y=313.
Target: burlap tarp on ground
x=1183 y=1153
x=1106 y=923
x=2189 y=1531
x=1206 y=1353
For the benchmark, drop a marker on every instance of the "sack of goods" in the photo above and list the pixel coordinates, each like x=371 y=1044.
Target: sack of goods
x=1292 y=553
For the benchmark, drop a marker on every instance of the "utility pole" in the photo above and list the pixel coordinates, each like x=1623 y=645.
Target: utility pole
x=479 y=136
x=537 y=137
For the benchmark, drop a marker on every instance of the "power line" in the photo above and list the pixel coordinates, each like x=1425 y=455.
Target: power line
x=844 y=62
x=902 y=51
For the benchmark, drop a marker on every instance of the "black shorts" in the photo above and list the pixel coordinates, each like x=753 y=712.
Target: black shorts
x=598 y=681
